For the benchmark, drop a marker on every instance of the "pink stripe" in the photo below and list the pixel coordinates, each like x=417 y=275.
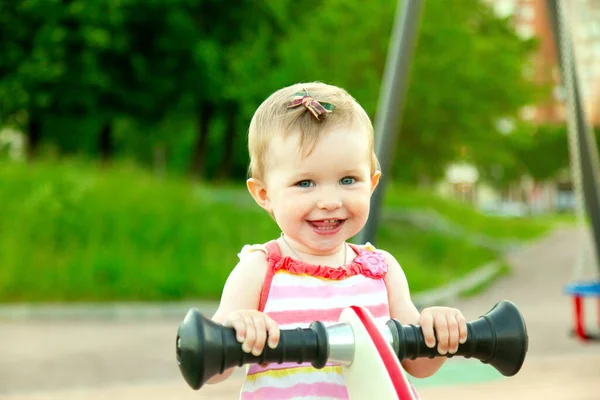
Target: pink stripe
x=364 y=286
x=333 y=390
x=329 y=315
x=256 y=368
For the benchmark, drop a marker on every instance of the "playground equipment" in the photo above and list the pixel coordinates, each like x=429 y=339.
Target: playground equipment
x=580 y=291
x=205 y=349
x=584 y=169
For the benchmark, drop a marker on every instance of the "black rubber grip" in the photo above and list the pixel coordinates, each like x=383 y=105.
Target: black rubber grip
x=295 y=345
x=498 y=338
x=205 y=349
x=409 y=343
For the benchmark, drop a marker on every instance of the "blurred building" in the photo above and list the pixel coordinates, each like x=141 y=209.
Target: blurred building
x=531 y=19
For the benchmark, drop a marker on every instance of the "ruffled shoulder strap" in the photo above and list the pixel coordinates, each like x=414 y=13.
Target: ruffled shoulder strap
x=368 y=262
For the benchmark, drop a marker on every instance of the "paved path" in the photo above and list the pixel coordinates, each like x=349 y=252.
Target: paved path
x=120 y=359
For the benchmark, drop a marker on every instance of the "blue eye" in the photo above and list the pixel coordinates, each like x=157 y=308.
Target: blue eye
x=305 y=184
x=348 y=180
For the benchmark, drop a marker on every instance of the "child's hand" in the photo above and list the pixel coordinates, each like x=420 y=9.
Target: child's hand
x=252 y=329
x=450 y=328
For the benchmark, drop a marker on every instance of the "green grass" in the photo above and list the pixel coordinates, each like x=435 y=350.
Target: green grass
x=461 y=214
x=69 y=233
x=72 y=232
x=431 y=259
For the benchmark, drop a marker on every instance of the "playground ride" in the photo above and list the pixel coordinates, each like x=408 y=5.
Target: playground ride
x=205 y=349
x=579 y=291
x=584 y=170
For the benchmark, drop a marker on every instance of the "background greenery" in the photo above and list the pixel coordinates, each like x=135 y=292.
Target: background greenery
x=70 y=233
x=136 y=113
x=172 y=84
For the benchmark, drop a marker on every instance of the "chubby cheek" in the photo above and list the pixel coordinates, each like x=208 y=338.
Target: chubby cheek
x=359 y=207
x=290 y=209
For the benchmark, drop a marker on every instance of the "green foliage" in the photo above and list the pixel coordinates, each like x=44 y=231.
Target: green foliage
x=31 y=55
x=143 y=61
x=467 y=73
x=539 y=151
x=543 y=151
x=344 y=44
x=173 y=84
x=155 y=74
x=70 y=232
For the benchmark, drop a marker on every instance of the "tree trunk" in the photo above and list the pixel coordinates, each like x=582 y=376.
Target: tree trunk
x=106 y=143
x=199 y=154
x=34 y=137
x=229 y=143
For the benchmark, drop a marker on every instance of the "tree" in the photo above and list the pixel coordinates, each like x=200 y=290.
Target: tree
x=51 y=70
x=149 y=63
x=546 y=152
x=468 y=72
x=235 y=58
x=32 y=61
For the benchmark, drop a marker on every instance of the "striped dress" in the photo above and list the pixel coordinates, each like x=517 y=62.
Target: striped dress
x=295 y=294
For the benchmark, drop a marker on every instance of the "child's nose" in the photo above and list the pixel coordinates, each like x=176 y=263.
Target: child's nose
x=329 y=204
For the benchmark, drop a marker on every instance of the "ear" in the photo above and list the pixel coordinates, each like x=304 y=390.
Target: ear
x=375 y=180
x=258 y=191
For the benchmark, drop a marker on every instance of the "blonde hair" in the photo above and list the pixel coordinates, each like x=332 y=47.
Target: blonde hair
x=273 y=117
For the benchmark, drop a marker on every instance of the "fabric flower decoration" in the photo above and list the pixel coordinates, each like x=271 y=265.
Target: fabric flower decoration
x=372 y=261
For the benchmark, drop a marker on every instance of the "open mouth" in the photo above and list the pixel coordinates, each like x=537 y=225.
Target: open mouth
x=326 y=225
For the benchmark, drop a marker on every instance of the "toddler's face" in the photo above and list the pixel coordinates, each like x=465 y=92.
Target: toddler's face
x=321 y=200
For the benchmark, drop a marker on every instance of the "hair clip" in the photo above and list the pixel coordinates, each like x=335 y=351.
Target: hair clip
x=316 y=108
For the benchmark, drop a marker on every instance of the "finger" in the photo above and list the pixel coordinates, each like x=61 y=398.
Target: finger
x=273 y=332
x=261 y=334
x=453 y=334
x=250 y=334
x=238 y=324
x=441 y=332
x=427 y=327
x=462 y=328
